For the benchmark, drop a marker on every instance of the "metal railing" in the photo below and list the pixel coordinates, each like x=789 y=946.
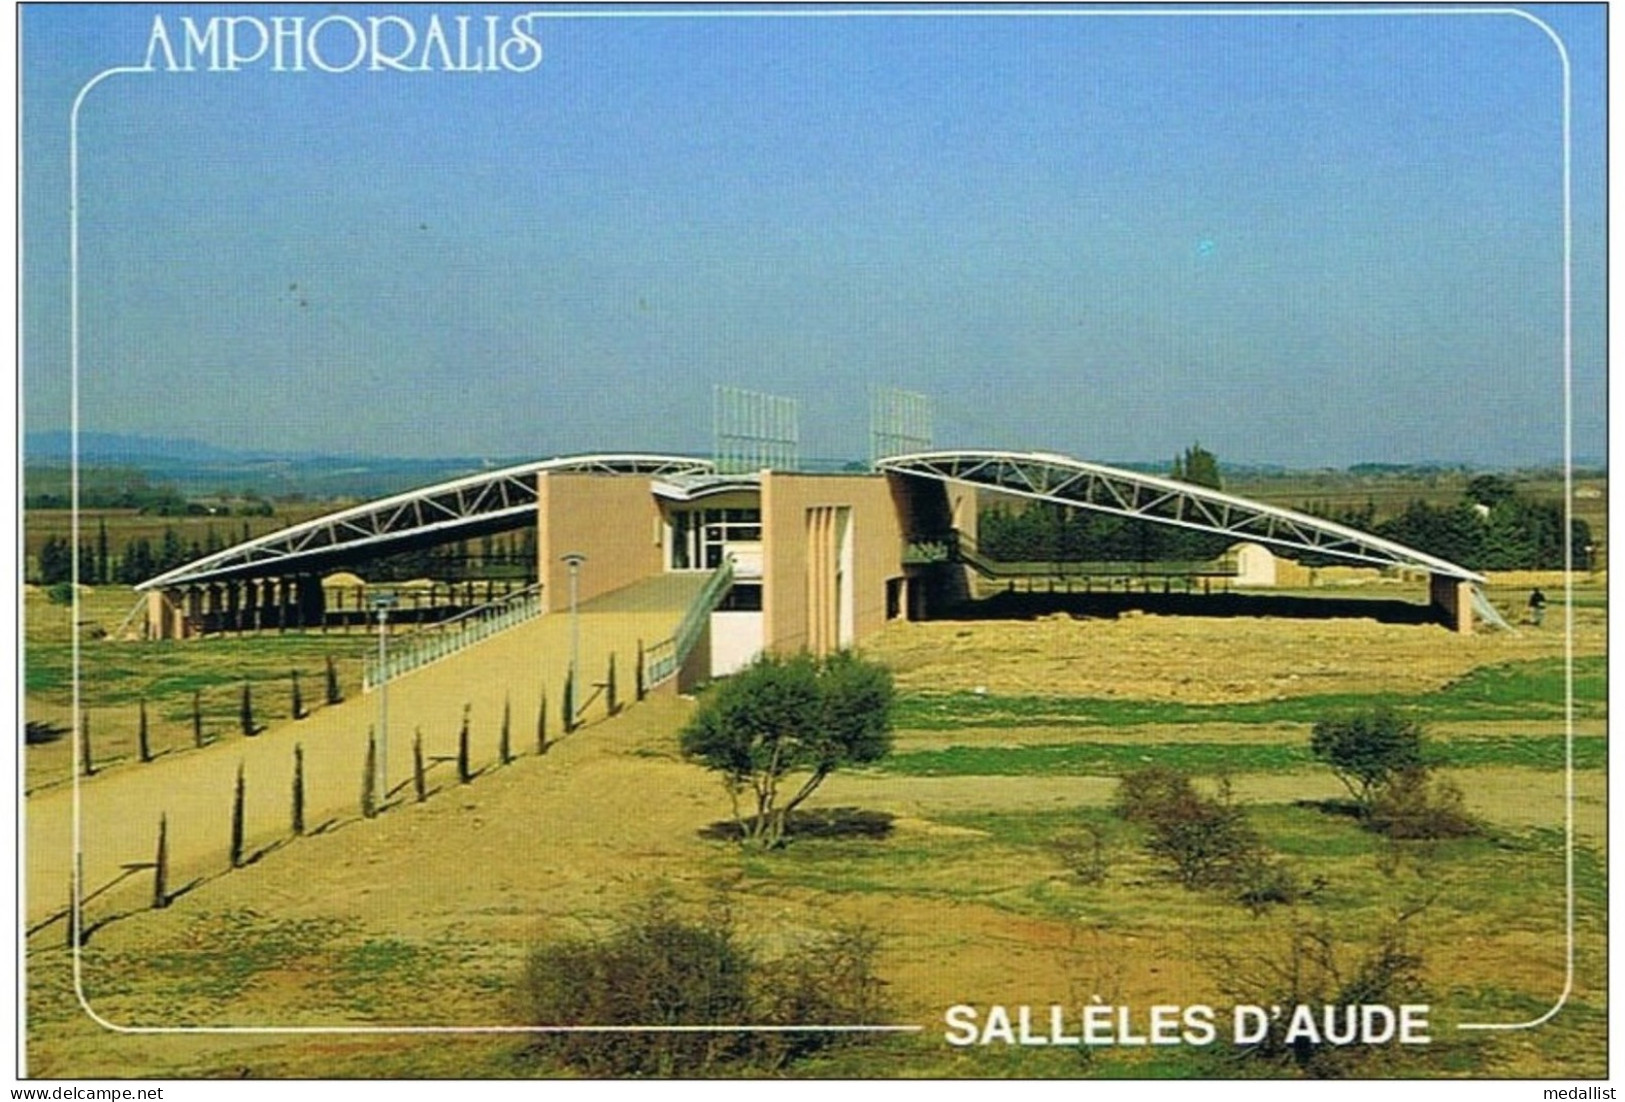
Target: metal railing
x=444 y=638
x=666 y=657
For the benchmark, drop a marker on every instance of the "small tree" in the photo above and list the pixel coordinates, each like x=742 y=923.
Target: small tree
x=298 y=705
x=1365 y=749
x=610 y=701
x=237 y=819
x=197 y=719
x=640 y=687
x=569 y=705
x=781 y=717
x=504 y=743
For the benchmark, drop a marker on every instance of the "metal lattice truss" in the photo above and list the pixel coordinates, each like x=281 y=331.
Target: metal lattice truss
x=473 y=505
x=1072 y=482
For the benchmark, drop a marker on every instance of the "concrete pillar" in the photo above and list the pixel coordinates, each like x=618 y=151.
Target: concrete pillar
x=265 y=610
x=163 y=616
x=1454 y=598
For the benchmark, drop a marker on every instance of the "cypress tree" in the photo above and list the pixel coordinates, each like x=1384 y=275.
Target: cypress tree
x=160 y=867
x=463 y=773
x=298 y=699
x=84 y=745
x=569 y=706
x=504 y=746
x=141 y=733
x=245 y=711
x=334 y=696
x=197 y=719
x=369 y=778
x=104 y=568
x=609 y=687
x=640 y=690
x=298 y=789
x=419 y=786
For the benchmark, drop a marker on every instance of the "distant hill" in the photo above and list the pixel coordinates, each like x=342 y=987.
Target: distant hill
x=113 y=447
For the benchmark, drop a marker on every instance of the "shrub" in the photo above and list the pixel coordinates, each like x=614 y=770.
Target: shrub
x=1413 y=804
x=1261 y=882
x=1205 y=838
x=659 y=968
x=1145 y=795
x=829 y=980
x=656 y=970
x=1310 y=966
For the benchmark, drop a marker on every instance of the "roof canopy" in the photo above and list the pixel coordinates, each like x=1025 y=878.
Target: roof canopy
x=1066 y=481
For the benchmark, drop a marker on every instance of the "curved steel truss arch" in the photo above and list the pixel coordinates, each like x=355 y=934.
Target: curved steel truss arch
x=1066 y=481
x=472 y=505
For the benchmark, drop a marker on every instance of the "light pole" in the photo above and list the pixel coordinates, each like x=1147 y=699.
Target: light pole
x=383 y=601
x=575 y=559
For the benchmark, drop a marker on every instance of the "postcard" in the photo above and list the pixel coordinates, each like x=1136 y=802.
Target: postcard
x=813 y=541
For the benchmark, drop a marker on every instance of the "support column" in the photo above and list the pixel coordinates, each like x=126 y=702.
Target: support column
x=1453 y=597
x=164 y=619
x=192 y=623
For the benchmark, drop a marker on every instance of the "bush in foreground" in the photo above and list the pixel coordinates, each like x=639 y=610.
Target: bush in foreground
x=1207 y=839
x=661 y=969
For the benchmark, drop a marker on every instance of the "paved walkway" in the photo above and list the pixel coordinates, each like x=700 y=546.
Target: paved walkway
x=120 y=809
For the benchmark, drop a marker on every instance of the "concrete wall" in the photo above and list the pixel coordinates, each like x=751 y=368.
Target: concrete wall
x=611 y=519
x=1255 y=564
x=877 y=546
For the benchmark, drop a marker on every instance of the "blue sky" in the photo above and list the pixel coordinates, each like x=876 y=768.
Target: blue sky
x=1307 y=240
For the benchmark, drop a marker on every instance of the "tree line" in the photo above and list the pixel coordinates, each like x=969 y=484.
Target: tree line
x=1042 y=532
x=1492 y=527
x=141 y=557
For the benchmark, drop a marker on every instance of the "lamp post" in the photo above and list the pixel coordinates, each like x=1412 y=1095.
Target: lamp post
x=383 y=601
x=574 y=559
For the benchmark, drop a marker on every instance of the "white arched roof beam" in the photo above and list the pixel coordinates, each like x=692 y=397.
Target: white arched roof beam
x=464 y=506
x=1066 y=481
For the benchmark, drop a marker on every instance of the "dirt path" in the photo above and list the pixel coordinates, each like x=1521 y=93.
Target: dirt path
x=119 y=811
